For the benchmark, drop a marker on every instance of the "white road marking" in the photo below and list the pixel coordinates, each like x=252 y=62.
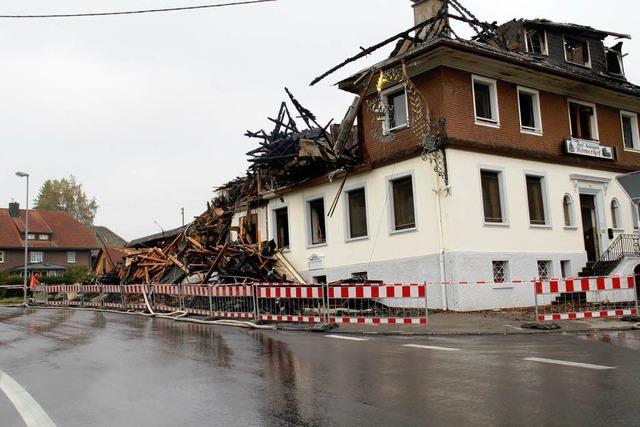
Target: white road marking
x=32 y=414
x=431 y=347
x=565 y=363
x=342 y=337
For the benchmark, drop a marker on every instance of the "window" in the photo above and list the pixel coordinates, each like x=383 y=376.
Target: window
x=361 y=277
x=535 y=195
x=614 y=62
x=1 y=256
x=485 y=101
x=576 y=51
x=536 y=41
x=249 y=228
x=545 y=270
x=529 y=106
x=404 y=217
x=582 y=118
x=616 y=223
x=317 y=224
x=43 y=237
x=71 y=257
x=567 y=209
x=282 y=227
x=491 y=197
x=395 y=100
x=630 y=134
x=357 y=213
x=565 y=267
x=31 y=236
x=500 y=271
x=36 y=257
x=319 y=280
x=635 y=214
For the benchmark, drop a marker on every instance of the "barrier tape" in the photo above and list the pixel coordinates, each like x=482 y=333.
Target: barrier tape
x=585 y=284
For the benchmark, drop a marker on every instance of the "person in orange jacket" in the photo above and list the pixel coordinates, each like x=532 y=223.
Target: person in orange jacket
x=35 y=281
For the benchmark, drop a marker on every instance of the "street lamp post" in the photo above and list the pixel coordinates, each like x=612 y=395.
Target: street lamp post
x=26 y=239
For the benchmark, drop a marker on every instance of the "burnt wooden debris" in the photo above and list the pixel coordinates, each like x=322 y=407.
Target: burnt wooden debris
x=288 y=155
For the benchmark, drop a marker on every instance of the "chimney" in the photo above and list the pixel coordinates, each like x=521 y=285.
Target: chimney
x=14 y=210
x=424 y=10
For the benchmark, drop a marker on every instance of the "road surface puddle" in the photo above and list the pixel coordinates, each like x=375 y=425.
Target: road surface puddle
x=624 y=339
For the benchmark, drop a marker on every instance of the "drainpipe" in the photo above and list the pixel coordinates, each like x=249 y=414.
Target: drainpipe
x=443 y=276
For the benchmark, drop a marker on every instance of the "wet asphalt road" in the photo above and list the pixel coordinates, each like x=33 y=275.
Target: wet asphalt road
x=100 y=369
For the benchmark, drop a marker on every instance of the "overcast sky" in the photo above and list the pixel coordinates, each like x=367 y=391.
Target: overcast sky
x=149 y=111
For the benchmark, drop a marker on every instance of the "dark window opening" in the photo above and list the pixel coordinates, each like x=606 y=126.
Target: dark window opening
x=527 y=111
x=614 y=62
x=319 y=280
x=249 y=228
x=536 y=200
x=536 y=42
x=360 y=276
x=397 y=104
x=318 y=229
x=582 y=121
x=483 y=101
x=282 y=228
x=491 y=196
x=357 y=213
x=403 y=209
x=577 y=51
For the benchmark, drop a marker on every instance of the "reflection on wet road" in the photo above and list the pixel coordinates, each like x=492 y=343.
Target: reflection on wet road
x=88 y=368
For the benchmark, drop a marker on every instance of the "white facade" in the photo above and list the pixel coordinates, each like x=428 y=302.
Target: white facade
x=451 y=241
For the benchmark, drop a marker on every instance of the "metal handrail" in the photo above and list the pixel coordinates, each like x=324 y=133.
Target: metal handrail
x=624 y=245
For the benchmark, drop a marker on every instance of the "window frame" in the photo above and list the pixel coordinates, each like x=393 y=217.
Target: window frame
x=503 y=196
x=526 y=41
x=495 y=107
x=31 y=236
x=386 y=93
x=32 y=259
x=564 y=48
x=619 y=56
x=549 y=264
x=537 y=111
x=274 y=225
x=347 y=222
x=43 y=237
x=505 y=272
x=242 y=223
x=564 y=265
x=391 y=207
x=308 y=223
x=636 y=130
x=545 y=199
x=1 y=257
x=69 y=258
x=572 y=213
x=596 y=131
x=616 y=217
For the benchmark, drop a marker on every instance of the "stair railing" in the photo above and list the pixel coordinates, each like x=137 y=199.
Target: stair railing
x=624 y=245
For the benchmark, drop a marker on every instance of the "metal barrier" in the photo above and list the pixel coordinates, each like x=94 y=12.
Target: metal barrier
x=283 y=302
x=196 y=299
x=111 y=297
x=133 y=297
x=233 y=301
x=166 y=298
x=585 y=298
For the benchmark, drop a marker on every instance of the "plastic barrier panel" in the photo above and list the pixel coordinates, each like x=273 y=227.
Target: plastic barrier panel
x=291 y=303
x=232 y=301
x=166 y=298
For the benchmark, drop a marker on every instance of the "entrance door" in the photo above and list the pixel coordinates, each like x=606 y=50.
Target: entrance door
x=590 y=226
x=636 y=273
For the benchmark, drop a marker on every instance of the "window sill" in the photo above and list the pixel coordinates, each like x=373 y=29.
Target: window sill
x=502 y=286
x=495 y=125
x=570 y=227
x=531 y=132
x=356 y=239
x=497 y=224
x=319 y=245
x=578 y=65
x=406 y=230
x=397 y=129
x=618 y=230
x=541 y=227
x=632 y=150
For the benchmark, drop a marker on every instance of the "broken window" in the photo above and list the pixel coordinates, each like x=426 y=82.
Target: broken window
x=485 y=96
x=404 y=217
x=317 y=223
x=530 y=117
x=282 y=228
x=630 y=134
x=249 y=228
x=582 y=118
x=397 y=115
x=500 y=271
x=536 y=41
x=357 y=213
x=491 y=197
x=567 y=208
x=576 y=51
x=616 y=223
x=614 y=62
x=535 y=195
x=545 y=270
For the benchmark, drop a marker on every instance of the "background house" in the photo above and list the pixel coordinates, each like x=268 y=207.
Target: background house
x=56 y=241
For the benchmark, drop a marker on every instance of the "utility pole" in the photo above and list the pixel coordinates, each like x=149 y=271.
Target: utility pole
x=26 y=239
x=182 y=212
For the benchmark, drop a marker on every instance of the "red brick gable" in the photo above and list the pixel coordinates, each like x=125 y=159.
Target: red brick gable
x=66 y=232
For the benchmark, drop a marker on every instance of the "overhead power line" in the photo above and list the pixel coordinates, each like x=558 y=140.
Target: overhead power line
x=137 y=12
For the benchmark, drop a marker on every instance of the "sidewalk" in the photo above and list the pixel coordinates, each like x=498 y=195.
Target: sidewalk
x=485 y=323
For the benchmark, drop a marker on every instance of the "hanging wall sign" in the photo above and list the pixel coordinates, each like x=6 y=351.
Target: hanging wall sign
x=589 y=149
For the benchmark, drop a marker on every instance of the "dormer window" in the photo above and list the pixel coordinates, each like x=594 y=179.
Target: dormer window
x=395 y=100
x=576 y=51
x=536 y=41
x=31 y=236
x=43 y=237
x=614 y=62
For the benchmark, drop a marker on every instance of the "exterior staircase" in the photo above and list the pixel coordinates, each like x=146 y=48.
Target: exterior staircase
x=623 y=246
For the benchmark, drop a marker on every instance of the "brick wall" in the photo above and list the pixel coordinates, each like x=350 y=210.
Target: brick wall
x=15 y=258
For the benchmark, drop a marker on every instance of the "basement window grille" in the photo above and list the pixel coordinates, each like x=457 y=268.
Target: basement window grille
x=545 y=270
x=500 y=271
